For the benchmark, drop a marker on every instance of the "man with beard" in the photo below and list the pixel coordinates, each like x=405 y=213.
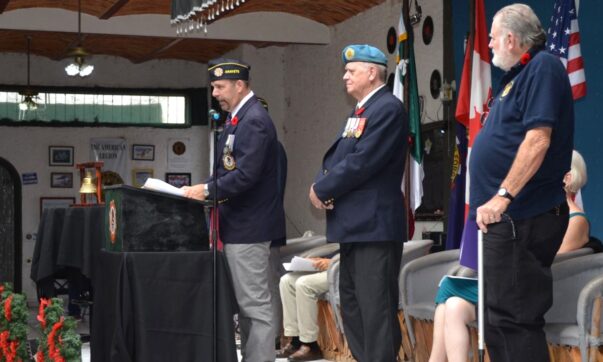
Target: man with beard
x=517 y=166
x=251 y=209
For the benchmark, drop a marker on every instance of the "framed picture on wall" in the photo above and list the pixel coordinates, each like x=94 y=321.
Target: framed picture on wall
x=63 y=180
x=143 y=152
x=178 y=179
x=140 y=176
x=55 y=202
x=60 y=155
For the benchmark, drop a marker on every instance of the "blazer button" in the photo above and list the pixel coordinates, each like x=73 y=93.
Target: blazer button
x=325 y=171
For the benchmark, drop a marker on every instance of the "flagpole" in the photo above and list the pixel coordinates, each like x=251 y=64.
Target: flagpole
x=480 y=295
x=406 y=81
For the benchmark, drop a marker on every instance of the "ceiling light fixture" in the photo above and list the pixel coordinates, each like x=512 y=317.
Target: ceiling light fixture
x=193 y=15
x=29 y=95
x=79 y=65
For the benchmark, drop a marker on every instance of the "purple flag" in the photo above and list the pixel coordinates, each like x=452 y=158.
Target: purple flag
x=468 y=256
x=456 y=204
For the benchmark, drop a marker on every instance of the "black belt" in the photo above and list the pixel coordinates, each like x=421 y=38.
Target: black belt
x=559 y=210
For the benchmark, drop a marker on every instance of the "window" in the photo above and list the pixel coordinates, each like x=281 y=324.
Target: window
x=104 y=107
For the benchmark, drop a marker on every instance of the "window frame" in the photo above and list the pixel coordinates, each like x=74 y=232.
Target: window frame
x=196 y=105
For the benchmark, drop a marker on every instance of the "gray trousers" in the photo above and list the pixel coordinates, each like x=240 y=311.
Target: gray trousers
x=276 y=272
x=248 y=264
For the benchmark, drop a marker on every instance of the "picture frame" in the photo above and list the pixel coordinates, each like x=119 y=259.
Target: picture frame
x=140 y=175
x=55 y=202
x=60 y=155
x=178 y=179
x=61 y=180
x=143 y=152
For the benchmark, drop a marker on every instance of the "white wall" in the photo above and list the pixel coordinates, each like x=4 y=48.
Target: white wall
x=26 y=148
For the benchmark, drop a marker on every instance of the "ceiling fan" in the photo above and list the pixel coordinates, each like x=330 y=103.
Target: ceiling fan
x=79 y=65
x=29 y=95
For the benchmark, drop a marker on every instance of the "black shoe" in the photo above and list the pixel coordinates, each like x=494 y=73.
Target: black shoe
x=287 y=351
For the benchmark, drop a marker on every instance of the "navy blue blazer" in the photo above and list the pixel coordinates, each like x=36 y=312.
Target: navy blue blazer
x=363 y=176
x=251 y=208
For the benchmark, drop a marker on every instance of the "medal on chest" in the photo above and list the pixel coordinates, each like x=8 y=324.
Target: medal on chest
x=354 y=128
x=228 y=159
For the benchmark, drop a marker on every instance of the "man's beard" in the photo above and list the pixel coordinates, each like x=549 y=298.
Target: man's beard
x=502 y=61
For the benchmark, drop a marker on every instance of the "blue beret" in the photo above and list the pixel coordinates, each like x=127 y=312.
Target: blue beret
x=223 y=68
x=363 y=53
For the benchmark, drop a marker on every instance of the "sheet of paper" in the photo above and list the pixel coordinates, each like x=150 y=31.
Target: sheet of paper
x=300 y=264
x=455 y=277
x=162 y=186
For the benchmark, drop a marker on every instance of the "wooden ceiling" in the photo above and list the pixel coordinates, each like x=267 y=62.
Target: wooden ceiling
x=57 y=45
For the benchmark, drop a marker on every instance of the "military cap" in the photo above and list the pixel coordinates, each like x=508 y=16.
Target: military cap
x=363 y=53
x=223 y=68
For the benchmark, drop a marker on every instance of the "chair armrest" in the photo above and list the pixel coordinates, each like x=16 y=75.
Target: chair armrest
x=584 y=315
x=419 y=278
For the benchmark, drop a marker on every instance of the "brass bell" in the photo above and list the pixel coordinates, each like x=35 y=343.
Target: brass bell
x=88 y=184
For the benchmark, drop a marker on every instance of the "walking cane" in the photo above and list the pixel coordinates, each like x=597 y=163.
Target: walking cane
x=480 y=295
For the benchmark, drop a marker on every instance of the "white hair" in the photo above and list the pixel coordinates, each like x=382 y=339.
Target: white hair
x=577 y=173
x=381 y=69
x=521 y=20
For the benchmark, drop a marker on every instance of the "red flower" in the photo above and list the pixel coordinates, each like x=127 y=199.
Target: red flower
x=41 y=311
x=525 y=58
x=234 y=121
x=54 y=352
x=7 y=311
x=1 y=289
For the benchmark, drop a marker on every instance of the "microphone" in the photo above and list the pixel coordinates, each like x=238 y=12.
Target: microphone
x=214 y=118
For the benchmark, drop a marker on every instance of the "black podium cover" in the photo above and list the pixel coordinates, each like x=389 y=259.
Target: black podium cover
x=158 y=307
x=145 y=220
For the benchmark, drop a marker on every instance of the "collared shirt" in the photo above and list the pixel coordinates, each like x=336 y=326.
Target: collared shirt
x=368 y=96
x=241 y=103
x=534 y=95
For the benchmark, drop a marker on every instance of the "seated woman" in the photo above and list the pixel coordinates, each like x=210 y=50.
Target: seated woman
x=456 y=301
x=457 y=298
x=578 y=228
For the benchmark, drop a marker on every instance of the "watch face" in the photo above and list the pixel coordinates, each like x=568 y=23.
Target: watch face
x=502 y=191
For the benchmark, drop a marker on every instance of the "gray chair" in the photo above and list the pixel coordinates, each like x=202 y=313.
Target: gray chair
x=299 y=245
x=586 y=302
x=321 y=251
x=572 y=254
x=569 y=279
x=413 y=249
x=419 y=281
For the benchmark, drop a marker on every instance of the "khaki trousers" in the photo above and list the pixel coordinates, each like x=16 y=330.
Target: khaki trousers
x=299 y=294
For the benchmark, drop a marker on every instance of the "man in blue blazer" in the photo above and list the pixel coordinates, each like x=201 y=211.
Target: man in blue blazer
x=251 y=208
x=359 y=186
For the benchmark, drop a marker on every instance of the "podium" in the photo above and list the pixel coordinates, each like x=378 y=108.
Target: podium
x=144 y=220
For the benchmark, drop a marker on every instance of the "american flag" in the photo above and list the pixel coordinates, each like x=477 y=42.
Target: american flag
x=563 y=40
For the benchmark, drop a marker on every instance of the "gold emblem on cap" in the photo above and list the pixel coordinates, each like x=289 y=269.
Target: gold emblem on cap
x=349 y=53
x=507 y=89
x=218 y=72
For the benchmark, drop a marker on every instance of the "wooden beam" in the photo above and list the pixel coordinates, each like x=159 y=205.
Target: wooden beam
x=113 y=9
x=155 y=52
x=3 y=4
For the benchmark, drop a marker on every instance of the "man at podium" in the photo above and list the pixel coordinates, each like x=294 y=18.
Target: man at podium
x=250 y=211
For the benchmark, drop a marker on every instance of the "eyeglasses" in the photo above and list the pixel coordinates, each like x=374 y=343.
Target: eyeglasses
x=484 y=117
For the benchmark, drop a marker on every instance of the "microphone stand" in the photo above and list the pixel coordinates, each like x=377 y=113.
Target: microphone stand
x=214 y=242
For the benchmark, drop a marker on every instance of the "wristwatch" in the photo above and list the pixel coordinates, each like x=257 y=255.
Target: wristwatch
x=205 y=191
x=502 y=192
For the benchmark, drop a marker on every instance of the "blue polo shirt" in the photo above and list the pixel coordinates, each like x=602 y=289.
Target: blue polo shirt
x=534 y=95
